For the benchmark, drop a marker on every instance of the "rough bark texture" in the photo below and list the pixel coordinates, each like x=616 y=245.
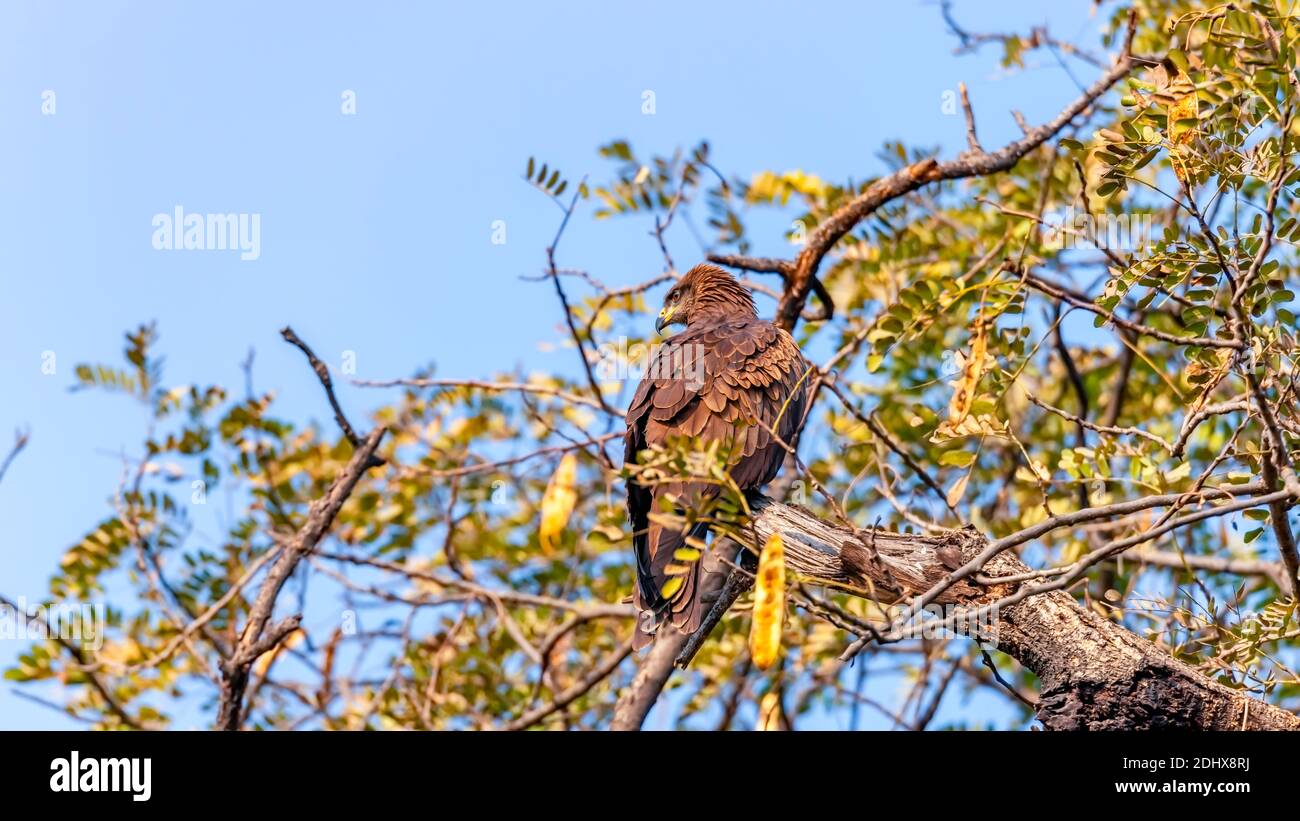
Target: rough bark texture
x=651 y=676
x=1095 y=675
x=657 y=667
x=256 y=637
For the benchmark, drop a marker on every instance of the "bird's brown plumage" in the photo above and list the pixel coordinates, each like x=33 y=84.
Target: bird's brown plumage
x=729 y=377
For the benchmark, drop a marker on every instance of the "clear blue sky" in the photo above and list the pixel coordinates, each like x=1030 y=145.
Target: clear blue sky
x=376 y=228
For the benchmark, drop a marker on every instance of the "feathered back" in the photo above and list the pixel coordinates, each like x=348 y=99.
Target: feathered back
x=730 y=377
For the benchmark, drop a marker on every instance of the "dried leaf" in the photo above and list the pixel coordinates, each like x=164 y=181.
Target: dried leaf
x=958 y=490
x=964 y=395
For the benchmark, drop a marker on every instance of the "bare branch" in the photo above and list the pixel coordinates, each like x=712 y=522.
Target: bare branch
x=323 y=374
x=971 y=139
x=320 y=516
x=21 y=438
x=487 y=385
x=596 y=676
x=924 y=172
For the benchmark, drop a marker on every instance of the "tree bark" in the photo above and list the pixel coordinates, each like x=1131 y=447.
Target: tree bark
x=1094 y=674
x=256 y=638
x=651 y=676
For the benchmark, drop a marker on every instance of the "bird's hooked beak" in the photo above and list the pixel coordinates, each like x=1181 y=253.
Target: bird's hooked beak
x=665 y=317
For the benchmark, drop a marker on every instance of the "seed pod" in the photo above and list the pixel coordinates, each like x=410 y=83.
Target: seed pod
x=769 y=604
x=1182 y=116
x=558 y=502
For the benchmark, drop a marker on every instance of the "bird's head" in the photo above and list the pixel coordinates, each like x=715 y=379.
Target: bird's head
x=705 y=294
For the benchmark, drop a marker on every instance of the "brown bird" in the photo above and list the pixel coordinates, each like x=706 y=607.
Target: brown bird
x=729 y=377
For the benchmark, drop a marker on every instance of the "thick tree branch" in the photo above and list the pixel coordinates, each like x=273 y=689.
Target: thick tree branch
x=651 y=676
x=905 y=180
x=320 y=516
x=1094 y=674
x=256 y=639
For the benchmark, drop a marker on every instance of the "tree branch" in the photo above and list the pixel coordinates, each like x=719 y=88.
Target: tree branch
x=924 y=172
x=320 y=516
x=597 y=675
x=256 y=639
x=1093 y=673
x=323 y=374
x=21 y=438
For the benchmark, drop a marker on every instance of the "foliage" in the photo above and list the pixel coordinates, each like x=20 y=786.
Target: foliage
x=985 y=336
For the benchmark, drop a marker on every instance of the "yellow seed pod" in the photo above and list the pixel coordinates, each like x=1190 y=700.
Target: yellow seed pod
x=558 y=502
x=769 y=604
x=1181 y=115
x=769 y=712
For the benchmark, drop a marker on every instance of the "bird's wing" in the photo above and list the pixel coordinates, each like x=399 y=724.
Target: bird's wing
x=736 y=382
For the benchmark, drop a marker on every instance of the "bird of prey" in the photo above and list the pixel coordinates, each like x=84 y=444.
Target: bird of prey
x=729 y=377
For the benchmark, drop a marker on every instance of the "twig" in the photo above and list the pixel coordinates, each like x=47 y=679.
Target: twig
x=102 y=689
x=1144 y=330
x=879 y=430
x=924 y=172
x=770 y=265
x=564 y=303
x=993 y=668
x=596 y=676
x=1093 y=426
x=1215 y=564
x=972 y=141
x=737 y=583
x=323 y=374
x=486 y=385
x=21 y=438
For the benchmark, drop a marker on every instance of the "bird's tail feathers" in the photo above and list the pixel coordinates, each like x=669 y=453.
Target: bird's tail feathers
x=682 y=606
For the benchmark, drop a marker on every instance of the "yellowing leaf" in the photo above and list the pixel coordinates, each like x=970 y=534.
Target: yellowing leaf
x=769 y=604
x=1182 y=116
x=558 y=502
x=672 y=586
x=981 y=425
x=958 y=490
